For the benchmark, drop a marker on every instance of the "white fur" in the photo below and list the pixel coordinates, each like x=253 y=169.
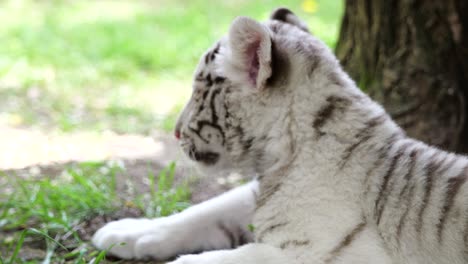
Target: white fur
x=189 y=231
x=305 y=184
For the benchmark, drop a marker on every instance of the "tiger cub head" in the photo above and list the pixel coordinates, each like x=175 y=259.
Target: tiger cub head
x=246 y=91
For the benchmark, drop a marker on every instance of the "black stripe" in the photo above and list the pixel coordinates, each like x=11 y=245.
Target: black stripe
x=453 y=186
x=247 y=144
x=384 y=191
x=200 y=108
x=408 y=189
x=239 y=134
x=199 y=76
x=431 y=168
x=335 y=78
x=296 y=243
x=207 y=57
x=216 y=49
x=465 y=239
x=347 y=240
x=230 y=235
x=205 y=94
x=363 y=136
x=272 y=185
x=214 y=116
x=313 y=60
x=281 y=14
x=209 y=81
x=332 y=105
x=245 y=237
x=401 y=224
x=207 y=157
x=409 y=174
x=197 y=132
x=268 y=229
x=323 y=114
x=202 y=103
x=267 y=193
x=203 y=123
x=219 y=79
x=227 y=115
x=382 y=156
x=210 y=56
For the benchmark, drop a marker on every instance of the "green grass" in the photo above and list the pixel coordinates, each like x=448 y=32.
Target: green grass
x=83 y=190
x=51 y=211
x=116 y=65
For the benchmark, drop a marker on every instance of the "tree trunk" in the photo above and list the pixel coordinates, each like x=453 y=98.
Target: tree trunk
x=412 y=56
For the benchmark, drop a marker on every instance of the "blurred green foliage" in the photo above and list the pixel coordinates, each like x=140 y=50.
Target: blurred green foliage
x=117 y=65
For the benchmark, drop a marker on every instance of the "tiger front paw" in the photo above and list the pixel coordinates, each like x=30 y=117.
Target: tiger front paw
x=139 y=238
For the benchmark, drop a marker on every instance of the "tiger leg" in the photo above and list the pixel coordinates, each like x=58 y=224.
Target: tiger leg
x=219 y=223
x=248 y=254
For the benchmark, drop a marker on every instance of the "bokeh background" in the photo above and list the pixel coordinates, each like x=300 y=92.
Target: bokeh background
x=123 y=66
x=89 y=94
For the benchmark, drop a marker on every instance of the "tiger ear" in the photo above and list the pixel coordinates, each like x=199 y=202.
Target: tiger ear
x=250 y=52
x=287 y=16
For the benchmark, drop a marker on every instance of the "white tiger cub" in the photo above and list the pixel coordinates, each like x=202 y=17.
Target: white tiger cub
x=338 y=180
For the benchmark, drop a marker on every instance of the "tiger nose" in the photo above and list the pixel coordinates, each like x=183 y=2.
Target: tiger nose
x=177 y=130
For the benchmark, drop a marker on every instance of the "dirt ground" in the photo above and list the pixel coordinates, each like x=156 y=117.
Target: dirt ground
x=29 y=153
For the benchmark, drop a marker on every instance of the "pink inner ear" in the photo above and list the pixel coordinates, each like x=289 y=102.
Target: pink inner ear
x=253 y=62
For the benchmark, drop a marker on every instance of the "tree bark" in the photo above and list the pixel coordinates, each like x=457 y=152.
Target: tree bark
x=412 y=56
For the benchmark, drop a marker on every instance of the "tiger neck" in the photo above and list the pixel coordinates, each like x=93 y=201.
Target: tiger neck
x=346 y=131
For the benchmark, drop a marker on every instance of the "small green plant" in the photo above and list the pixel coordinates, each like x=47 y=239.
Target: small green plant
x=51 y=211
x=165 y=197
x=57 y=204
x=18 y=246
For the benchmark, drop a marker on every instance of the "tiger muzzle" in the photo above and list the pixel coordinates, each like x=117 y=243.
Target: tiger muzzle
x=205 y=157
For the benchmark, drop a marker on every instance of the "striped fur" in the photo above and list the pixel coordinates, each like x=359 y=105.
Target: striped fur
x=339 y=181
x=408 y=192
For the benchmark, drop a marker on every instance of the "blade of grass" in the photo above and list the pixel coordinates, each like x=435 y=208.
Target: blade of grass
x=101 y=256
x=48 y=257
x=80 y=258
x=38 y=232
x=18 y=247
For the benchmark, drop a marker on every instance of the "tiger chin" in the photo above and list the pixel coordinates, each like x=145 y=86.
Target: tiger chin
x=337 y=181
